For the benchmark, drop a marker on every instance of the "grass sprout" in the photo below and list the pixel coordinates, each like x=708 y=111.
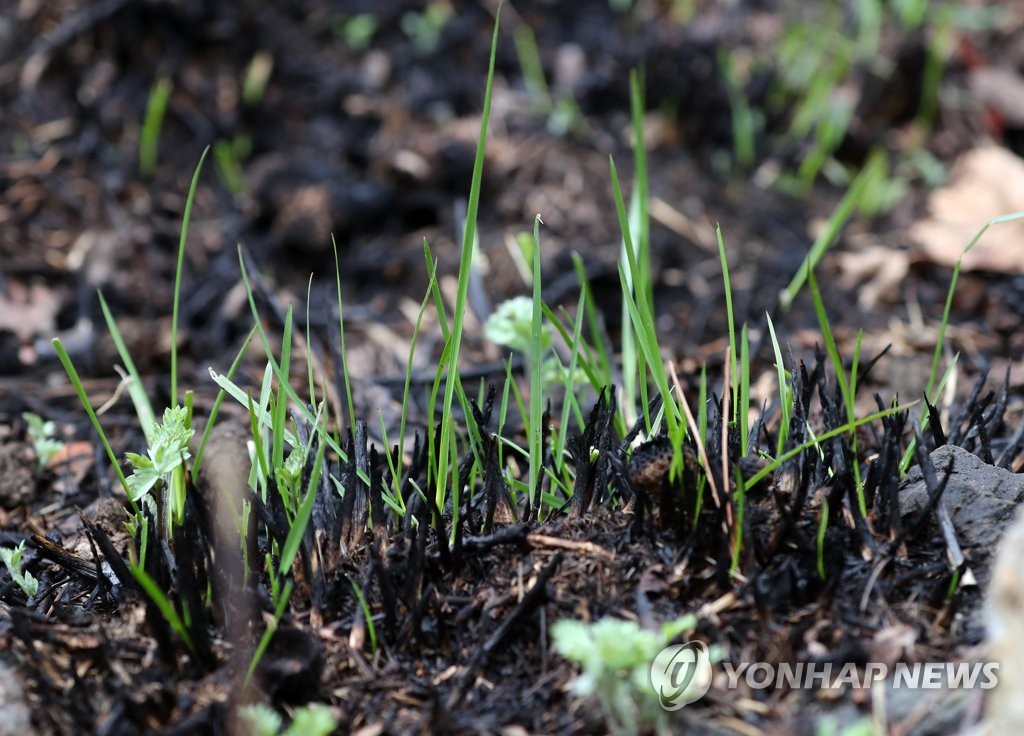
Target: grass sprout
x=149 y=136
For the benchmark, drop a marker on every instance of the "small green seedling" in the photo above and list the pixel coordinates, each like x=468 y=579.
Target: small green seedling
x=163 y=466
x=12 y=560
x=314 y=719
x=357 y=31
x=43 y=442
x=615 y=656
x=511 y=324
x=424 y=29
x=149 y=135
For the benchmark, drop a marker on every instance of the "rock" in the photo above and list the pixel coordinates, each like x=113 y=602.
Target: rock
x=981 y=500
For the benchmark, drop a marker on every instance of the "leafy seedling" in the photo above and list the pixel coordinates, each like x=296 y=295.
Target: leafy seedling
x=615 y=656
x=44 y=443
x=12 y=559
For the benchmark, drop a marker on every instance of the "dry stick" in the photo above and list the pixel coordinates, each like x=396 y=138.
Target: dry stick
x=727 y=523
x=702 y=452
x=542 y=540
x=533 y=598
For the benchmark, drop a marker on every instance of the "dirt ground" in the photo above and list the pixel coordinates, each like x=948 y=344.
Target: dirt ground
x=373 y=147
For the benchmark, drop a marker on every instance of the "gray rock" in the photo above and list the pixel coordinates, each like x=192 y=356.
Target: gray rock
x=981 y=500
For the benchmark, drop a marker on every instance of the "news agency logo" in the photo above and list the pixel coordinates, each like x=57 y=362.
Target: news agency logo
x=681 y=674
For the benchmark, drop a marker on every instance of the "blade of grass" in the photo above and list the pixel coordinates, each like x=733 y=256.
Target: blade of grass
x=215 y=409
x=162 y=602
x=874 y=168
x=818 y=439
x=137 y=392
x=784 y=390
x=149 y=135
x=468 y=237
x=343 y=357
x=280 y=408
x=298 y=527
x=185 y=219
x=643 y=321
x=536 y=370
x=744 y=383
x=76 y=383
x=730 y=318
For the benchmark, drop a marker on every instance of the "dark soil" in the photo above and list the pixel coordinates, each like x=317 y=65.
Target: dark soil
x=375 y=149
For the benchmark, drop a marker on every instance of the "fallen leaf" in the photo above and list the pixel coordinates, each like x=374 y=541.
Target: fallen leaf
x=76 y=457
x=986 y=182
x=28 y=311
x=877 y=271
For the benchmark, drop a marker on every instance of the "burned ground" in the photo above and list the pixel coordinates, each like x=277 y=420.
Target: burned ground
x=375 y=148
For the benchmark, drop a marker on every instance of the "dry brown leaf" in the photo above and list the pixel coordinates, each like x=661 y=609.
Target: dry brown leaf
x=987 y=182
x=877 y=270
x=28 y=311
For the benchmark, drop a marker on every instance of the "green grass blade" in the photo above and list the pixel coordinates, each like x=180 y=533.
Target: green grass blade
x=149 y=135
x=785 y=404
x=185 y=219
x=301 y=520
x=818 y=439
x=744 y=383
x=367 y=615
x=162 y=602
x=536 y=370
x=137 y=392
x=869 y=175
x=468 y=238
x=215 y=410
x=268 y=634
x=76 y=383
x=642 y=320
x=341 y=342
x=280 y=413
x=731 y=318
x=830 y=346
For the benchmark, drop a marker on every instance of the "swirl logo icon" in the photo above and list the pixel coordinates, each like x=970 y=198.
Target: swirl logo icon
x=681 y=674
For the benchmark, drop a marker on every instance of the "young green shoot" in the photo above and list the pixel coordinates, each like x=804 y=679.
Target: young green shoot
x=634 y=263
x=642 y=320
x=615 y=658
x=536 y=371
x=869 y=176
x=932 y=390
x=313 y=719
x=44 y=442
x=76 y=383
x=342 y=354
x=446 y=452
x=743 y=119
x=364 y=605
x=12 y=559
x=785 y=390
x=149 y=135
x=822 y=528
x=185 y=220
x=730 y=318
x=846 y=386
x=162 y=467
